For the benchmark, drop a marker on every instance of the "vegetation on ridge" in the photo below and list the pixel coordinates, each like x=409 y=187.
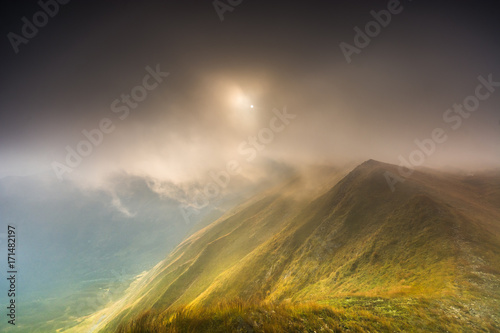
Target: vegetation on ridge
x=436 y=242
x=351 y=314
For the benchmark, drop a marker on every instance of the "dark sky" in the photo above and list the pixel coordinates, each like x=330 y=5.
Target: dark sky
x=264 y=53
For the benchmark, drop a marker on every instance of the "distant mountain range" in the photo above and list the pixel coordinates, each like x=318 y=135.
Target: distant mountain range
x=429 y=252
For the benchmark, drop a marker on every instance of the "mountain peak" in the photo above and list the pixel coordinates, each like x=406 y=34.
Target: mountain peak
x=374 y=163
x=370 y=161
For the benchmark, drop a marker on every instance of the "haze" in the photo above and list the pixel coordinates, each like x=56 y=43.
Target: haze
x=271 y=56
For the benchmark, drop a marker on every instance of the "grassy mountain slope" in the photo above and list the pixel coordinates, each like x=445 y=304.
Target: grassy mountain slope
x=360 y=238
x=437 y=236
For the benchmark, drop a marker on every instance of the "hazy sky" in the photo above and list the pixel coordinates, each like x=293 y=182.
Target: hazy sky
x=396 y=89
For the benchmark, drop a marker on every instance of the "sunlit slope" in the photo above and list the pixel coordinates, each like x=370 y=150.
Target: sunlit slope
x=195 y=264
x=437 y=235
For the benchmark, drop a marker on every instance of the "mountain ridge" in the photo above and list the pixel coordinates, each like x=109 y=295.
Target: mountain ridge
x=356 y=239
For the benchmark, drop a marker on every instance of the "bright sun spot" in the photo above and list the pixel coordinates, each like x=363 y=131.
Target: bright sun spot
x=251 y=106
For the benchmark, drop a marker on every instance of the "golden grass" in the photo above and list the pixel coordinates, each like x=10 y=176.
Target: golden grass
x=356 y=314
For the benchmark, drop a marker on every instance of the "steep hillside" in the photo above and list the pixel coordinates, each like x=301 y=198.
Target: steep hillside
x=437 y=236
x=434 y=236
